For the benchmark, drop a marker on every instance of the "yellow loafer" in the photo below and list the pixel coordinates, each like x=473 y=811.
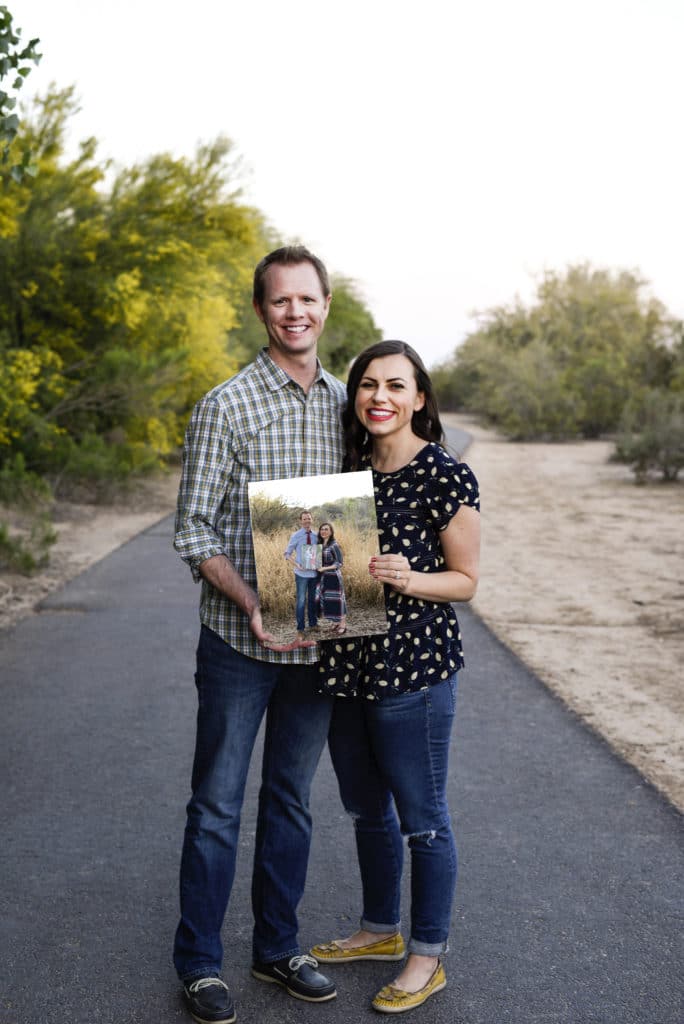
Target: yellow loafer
x=385 y=949
x=394 y=1000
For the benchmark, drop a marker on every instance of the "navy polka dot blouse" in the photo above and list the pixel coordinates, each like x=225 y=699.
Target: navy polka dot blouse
x=423 y=642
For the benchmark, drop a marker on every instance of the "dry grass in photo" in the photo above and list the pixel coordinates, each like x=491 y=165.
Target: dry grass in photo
x=275 y=576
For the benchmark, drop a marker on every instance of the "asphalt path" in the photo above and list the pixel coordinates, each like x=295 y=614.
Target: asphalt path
x=569 y=903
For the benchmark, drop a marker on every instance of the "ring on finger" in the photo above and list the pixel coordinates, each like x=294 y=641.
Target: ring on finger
x=396 y=574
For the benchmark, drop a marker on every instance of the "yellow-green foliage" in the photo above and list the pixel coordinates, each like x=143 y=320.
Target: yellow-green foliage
x=123 y=299
x=22 y=373
x=276 y=576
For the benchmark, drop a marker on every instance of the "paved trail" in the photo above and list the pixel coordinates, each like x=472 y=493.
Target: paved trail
x=569 y=906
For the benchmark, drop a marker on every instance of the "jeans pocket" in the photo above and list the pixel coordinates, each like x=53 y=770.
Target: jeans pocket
x=451 y=683
x=441 y=697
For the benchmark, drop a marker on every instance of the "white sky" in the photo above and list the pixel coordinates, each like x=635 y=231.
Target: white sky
x=442 y=154
x=307 y=490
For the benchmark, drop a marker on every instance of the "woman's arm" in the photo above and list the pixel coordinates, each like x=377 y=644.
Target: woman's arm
x=336 y=553
x=460 y=543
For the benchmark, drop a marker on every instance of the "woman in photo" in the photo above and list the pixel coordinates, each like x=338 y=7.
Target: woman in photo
x=389 y=739
x=331 y=599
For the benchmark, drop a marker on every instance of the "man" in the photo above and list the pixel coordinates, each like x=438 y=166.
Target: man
x=278 y=417
x=305 y=577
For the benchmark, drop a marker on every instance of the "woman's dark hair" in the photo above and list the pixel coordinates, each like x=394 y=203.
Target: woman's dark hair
x=331 y=538
x=425 y=422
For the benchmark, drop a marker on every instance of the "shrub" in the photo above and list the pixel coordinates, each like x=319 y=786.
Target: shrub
x=651 y=435
x=24 y=552
x=25 y=541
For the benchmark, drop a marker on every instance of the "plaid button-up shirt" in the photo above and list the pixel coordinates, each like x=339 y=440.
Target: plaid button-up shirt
x=259 y=425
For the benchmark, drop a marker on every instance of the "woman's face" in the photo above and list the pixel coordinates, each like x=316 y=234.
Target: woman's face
x=388 y=396
x=325 y=532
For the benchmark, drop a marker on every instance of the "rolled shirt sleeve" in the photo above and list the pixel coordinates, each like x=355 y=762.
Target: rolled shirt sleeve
x=207 y=465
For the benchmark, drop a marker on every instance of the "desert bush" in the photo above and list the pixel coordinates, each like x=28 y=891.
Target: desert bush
x=98 y=469
x=26 y=550
x=270 y=514
x=275 y=576
x=651 y=438
x=26 y=532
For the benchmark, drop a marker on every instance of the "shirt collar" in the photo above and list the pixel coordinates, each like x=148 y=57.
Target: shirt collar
x=275 y=377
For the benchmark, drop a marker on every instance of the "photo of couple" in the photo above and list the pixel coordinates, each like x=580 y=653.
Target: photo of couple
x=314 y=539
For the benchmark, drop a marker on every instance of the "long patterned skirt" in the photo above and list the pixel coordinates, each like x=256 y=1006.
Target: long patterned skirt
x=332 y=603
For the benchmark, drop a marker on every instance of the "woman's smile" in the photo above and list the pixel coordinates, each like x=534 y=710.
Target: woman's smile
x=380 y=415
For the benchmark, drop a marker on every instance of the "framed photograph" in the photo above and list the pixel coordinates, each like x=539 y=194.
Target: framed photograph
x=313 y=539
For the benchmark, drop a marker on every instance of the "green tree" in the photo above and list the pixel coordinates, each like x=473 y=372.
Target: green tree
x=15 y=63
x=117 y=305
x=123 y=298
x=566 y=365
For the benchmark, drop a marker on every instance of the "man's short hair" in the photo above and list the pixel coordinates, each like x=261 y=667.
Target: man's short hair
x=287 y=256
x=304 y=512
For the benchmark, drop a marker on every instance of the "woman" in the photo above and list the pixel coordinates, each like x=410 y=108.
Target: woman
x=331 y=601
x=390 y=745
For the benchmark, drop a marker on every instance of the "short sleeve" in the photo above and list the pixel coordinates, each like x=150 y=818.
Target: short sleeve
x=447 y=485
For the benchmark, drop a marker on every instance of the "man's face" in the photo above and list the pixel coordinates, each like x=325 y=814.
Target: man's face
x=294 y=310
x=306 y=520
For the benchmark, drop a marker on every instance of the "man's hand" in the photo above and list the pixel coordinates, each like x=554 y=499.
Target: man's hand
x=268 y=640
x=222 y=574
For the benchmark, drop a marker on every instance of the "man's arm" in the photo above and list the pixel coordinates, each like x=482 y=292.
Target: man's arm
x=291 y=550
x=220 y=572
x=207 y=462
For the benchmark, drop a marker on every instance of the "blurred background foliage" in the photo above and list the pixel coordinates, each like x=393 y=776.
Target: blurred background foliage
x=125 y=294
x=594 y=355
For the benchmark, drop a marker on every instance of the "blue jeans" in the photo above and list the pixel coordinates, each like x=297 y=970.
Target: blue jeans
x=234 y=692
x=306 y=598
x=394 y=754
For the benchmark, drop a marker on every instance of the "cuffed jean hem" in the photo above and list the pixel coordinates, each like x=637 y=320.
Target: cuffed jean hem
x=427 y=948
x=199 y=972
x=270 y=959
x=380 y=929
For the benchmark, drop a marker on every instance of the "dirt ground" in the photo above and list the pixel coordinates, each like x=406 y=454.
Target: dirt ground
x=582 y=576
x=86 y=533
x=360 y=622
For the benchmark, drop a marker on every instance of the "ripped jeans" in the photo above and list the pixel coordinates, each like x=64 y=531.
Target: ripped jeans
x=394 y=754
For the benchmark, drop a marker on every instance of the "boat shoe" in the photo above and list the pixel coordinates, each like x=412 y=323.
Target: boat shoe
x=385 y=949
x=394 y=1000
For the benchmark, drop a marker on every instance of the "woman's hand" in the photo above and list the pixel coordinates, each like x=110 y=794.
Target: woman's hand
x=394 y=570
x=460 y=543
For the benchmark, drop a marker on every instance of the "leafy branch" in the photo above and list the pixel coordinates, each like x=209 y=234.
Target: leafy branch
x=16 y=61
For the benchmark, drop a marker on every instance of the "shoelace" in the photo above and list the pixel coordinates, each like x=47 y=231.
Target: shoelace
x=298 y=961
x=205 y=983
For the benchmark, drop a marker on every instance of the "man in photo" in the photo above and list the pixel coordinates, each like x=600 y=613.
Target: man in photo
x=302 y=556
